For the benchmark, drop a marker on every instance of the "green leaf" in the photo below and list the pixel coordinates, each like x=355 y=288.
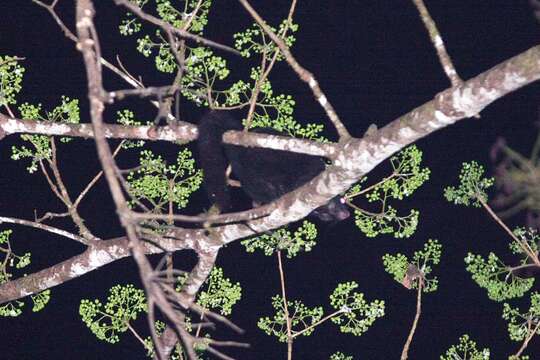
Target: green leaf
x=406 y=177
x=424 y=259
x=340 y=356
x=40 y=300
x=220 y=294
x=156 y=184
x=40 y=145
x=387 y=223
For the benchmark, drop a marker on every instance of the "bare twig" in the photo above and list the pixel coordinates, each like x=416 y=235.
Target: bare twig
x=290 y=338
x=37 y=225
x=438 y=43
x=50 y=8
x=95 y=179
x=73 y=213
x=522 y=244
x=405 y=352
x=49 y=215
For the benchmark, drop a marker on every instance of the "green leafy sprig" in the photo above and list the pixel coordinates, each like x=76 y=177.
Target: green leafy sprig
x=123 y=306
x=472 y=186
x=406 y=177
x=11 y=76
x=466 y=350
x=398 y=264
x=303 y=239
x=40 y=145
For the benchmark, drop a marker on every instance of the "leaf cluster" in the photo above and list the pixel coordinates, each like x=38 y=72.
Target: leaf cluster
x=11 y=76
x=472 y=186
x=407 y=176
x=301 y=240
x=494 y=276
x=356 y=314
x=301 y=318
x=220 y=294
x=340 y=356
x=159 y=184
x=9 y=260
x=123 y=306
x=466 y=350
x=40 y=145
x=521 y=325
x=254 y=40
x=398 y=264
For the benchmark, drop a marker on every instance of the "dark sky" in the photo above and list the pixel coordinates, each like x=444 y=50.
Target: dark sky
x=375 y=62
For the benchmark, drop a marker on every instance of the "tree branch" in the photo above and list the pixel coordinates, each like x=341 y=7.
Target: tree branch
x=44 y=227
x=357 y=157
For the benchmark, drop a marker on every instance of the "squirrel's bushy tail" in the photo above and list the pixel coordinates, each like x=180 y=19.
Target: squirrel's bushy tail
x=212 y=156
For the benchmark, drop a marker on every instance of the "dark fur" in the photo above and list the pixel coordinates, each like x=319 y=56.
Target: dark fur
x=265 y=174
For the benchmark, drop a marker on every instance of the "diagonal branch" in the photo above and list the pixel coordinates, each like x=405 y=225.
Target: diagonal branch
x=354 y=159
x=101 y=253
x=357 y=157
x=191 y=287
x=438 y=43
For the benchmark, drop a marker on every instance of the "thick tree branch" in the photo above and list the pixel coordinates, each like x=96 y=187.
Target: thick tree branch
x=357 y=157
x=99 y=254
x=180 y=132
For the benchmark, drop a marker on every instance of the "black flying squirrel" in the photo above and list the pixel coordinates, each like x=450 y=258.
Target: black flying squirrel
x=265 y=174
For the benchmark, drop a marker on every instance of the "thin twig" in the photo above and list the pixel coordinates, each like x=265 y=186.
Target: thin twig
x=95 y=179
x=438 y=43
x=285 y=308
x=138 y=337
x=74 y=214
x=523 y=244
x=326 y=318
x=44 y=227
x=530 y=335
x=303 y=74
x=266 y=70
x=405 y=352
x=173 y=30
